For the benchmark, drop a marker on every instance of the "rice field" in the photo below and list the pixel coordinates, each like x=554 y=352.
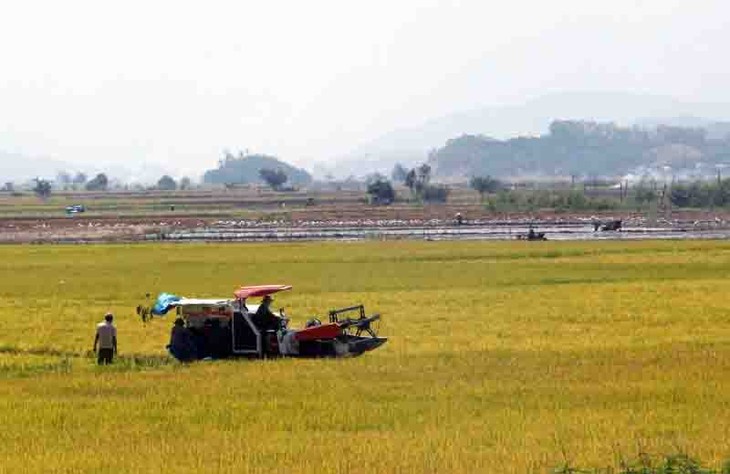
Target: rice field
x=503 y=357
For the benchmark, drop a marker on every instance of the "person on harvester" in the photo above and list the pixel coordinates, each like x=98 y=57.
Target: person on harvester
x=182 y=346
x=264 y=319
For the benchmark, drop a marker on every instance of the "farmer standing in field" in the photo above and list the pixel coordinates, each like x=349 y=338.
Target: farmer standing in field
x=106 y=340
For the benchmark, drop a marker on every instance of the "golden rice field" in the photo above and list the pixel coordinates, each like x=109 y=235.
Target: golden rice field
x=503 y=357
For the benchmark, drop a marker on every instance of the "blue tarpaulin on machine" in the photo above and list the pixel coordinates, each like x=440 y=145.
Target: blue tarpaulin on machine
x=164 y=302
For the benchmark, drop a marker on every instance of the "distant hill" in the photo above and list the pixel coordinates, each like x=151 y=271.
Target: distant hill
x=585 y=148
x=411 y=145
x=245 y=170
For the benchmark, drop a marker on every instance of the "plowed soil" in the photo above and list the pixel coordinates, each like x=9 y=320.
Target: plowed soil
x=109 y=228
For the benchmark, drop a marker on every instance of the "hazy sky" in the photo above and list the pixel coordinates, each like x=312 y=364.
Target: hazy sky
x=178 y=82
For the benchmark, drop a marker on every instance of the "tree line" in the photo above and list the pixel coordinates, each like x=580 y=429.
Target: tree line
x=43 y=187
x=99 y=183
x=417 y=180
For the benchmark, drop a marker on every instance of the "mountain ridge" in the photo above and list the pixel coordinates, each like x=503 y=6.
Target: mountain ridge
x=411 y=145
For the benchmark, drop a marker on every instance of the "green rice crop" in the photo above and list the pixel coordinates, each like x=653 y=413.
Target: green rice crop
x=503 y=357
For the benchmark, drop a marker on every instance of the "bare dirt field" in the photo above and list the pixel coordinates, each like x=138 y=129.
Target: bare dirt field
x=253 y=215
x=356 y=224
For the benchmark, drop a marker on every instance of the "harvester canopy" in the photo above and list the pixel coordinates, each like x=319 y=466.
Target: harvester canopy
x=165 y=302
x=259 y=290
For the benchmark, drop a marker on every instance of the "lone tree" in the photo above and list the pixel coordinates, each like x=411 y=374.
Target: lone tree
x=424 y=173
x=381 y=191
x=42 y=188
x=410 y=181
x=417 y=179
x=99 y=183
x=166 y=183
x=275 y=178
x=484 y=185
x=399 y=173
x=186 y=183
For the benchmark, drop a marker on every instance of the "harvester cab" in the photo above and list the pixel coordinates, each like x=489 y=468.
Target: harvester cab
x=250 y=337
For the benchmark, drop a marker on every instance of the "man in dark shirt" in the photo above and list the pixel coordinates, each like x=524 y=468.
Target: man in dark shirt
x=264 y=319
x=181 y=342
x=267 y=321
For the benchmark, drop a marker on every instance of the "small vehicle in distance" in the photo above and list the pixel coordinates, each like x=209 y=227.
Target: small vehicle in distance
x=75 y=209
x=610 y=225
x=223 y=327
x=532 y=235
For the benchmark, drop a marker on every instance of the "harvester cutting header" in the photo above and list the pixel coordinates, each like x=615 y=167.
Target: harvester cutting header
x=233 y=327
